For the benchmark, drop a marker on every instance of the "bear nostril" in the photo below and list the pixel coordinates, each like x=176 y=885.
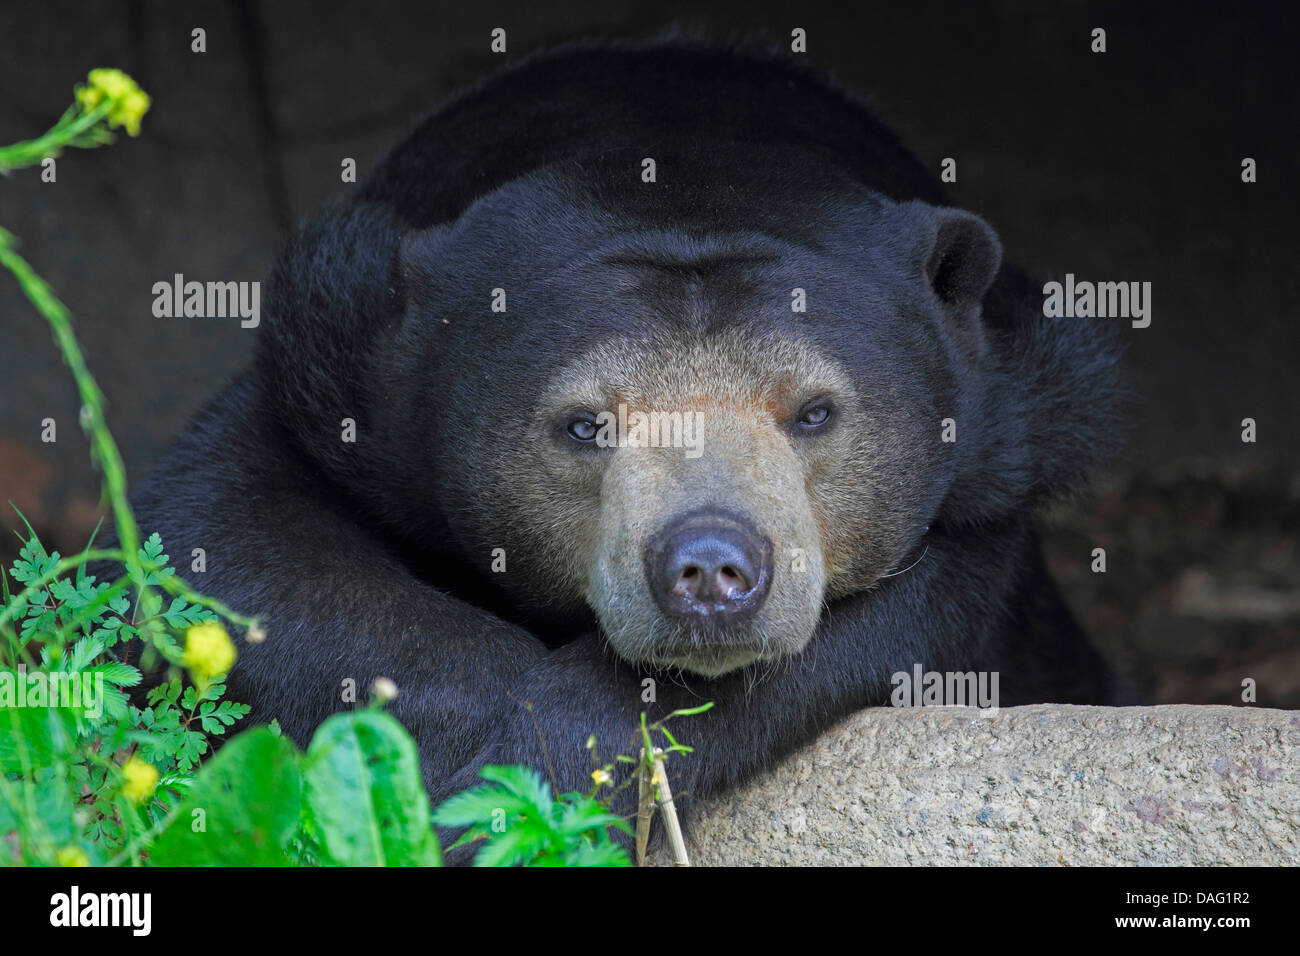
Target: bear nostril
x=688 y=582
x=709 y=564
x=731 y=582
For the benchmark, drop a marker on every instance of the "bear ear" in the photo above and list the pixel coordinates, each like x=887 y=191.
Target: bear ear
x=965 y=258
x=962 y=254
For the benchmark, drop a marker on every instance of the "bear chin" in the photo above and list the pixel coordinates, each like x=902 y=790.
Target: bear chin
x=715 y=664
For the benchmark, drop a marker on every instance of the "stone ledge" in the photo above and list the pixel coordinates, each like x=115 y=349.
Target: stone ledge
x=1041 y=785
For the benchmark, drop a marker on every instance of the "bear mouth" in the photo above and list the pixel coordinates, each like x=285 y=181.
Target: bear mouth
x=706 y=661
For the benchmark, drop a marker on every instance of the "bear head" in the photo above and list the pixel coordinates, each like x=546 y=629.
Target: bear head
x=701 y=410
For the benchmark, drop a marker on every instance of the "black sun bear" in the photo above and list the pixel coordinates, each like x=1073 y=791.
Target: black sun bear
x=634 y=378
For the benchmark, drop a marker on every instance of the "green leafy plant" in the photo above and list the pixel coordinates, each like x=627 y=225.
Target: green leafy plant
x=73 y=737
x=108 y=100
x=522 y=824
x=81 y=777
x=355 y=798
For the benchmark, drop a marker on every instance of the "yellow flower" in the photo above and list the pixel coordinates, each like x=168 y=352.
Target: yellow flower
x=602 y=777
x=114 y=83
x=140 y=779
x=71 y=856
x=89 y=97
x=209 y=652
x=127 y=103
x=129 y=111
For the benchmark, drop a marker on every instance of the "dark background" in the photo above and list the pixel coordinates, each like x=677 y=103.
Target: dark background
x=1118 y=166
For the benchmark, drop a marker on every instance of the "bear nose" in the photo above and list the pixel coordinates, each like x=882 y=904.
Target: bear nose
x=709 y=565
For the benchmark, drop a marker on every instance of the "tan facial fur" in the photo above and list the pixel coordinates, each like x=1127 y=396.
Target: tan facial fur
x=596 y=509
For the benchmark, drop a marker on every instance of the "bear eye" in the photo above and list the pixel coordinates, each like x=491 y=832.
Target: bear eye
x=814 y=415
x=582 y=428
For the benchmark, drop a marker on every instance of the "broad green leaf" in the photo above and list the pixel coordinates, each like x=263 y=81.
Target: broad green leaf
x=51 y=825
x=250 y=795
x=366 y=795
x=34 y=734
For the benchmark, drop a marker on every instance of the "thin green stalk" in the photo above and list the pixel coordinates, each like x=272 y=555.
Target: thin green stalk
x=61 y=134
x=56 y=313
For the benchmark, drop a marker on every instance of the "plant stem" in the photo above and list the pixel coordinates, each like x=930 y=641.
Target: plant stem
x=92 y=417
x=63 y=133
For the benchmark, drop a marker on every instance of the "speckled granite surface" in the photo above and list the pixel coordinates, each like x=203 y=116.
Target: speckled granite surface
x=1042 y=785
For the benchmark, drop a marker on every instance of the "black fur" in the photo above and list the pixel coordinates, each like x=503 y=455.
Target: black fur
x=362 y=559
